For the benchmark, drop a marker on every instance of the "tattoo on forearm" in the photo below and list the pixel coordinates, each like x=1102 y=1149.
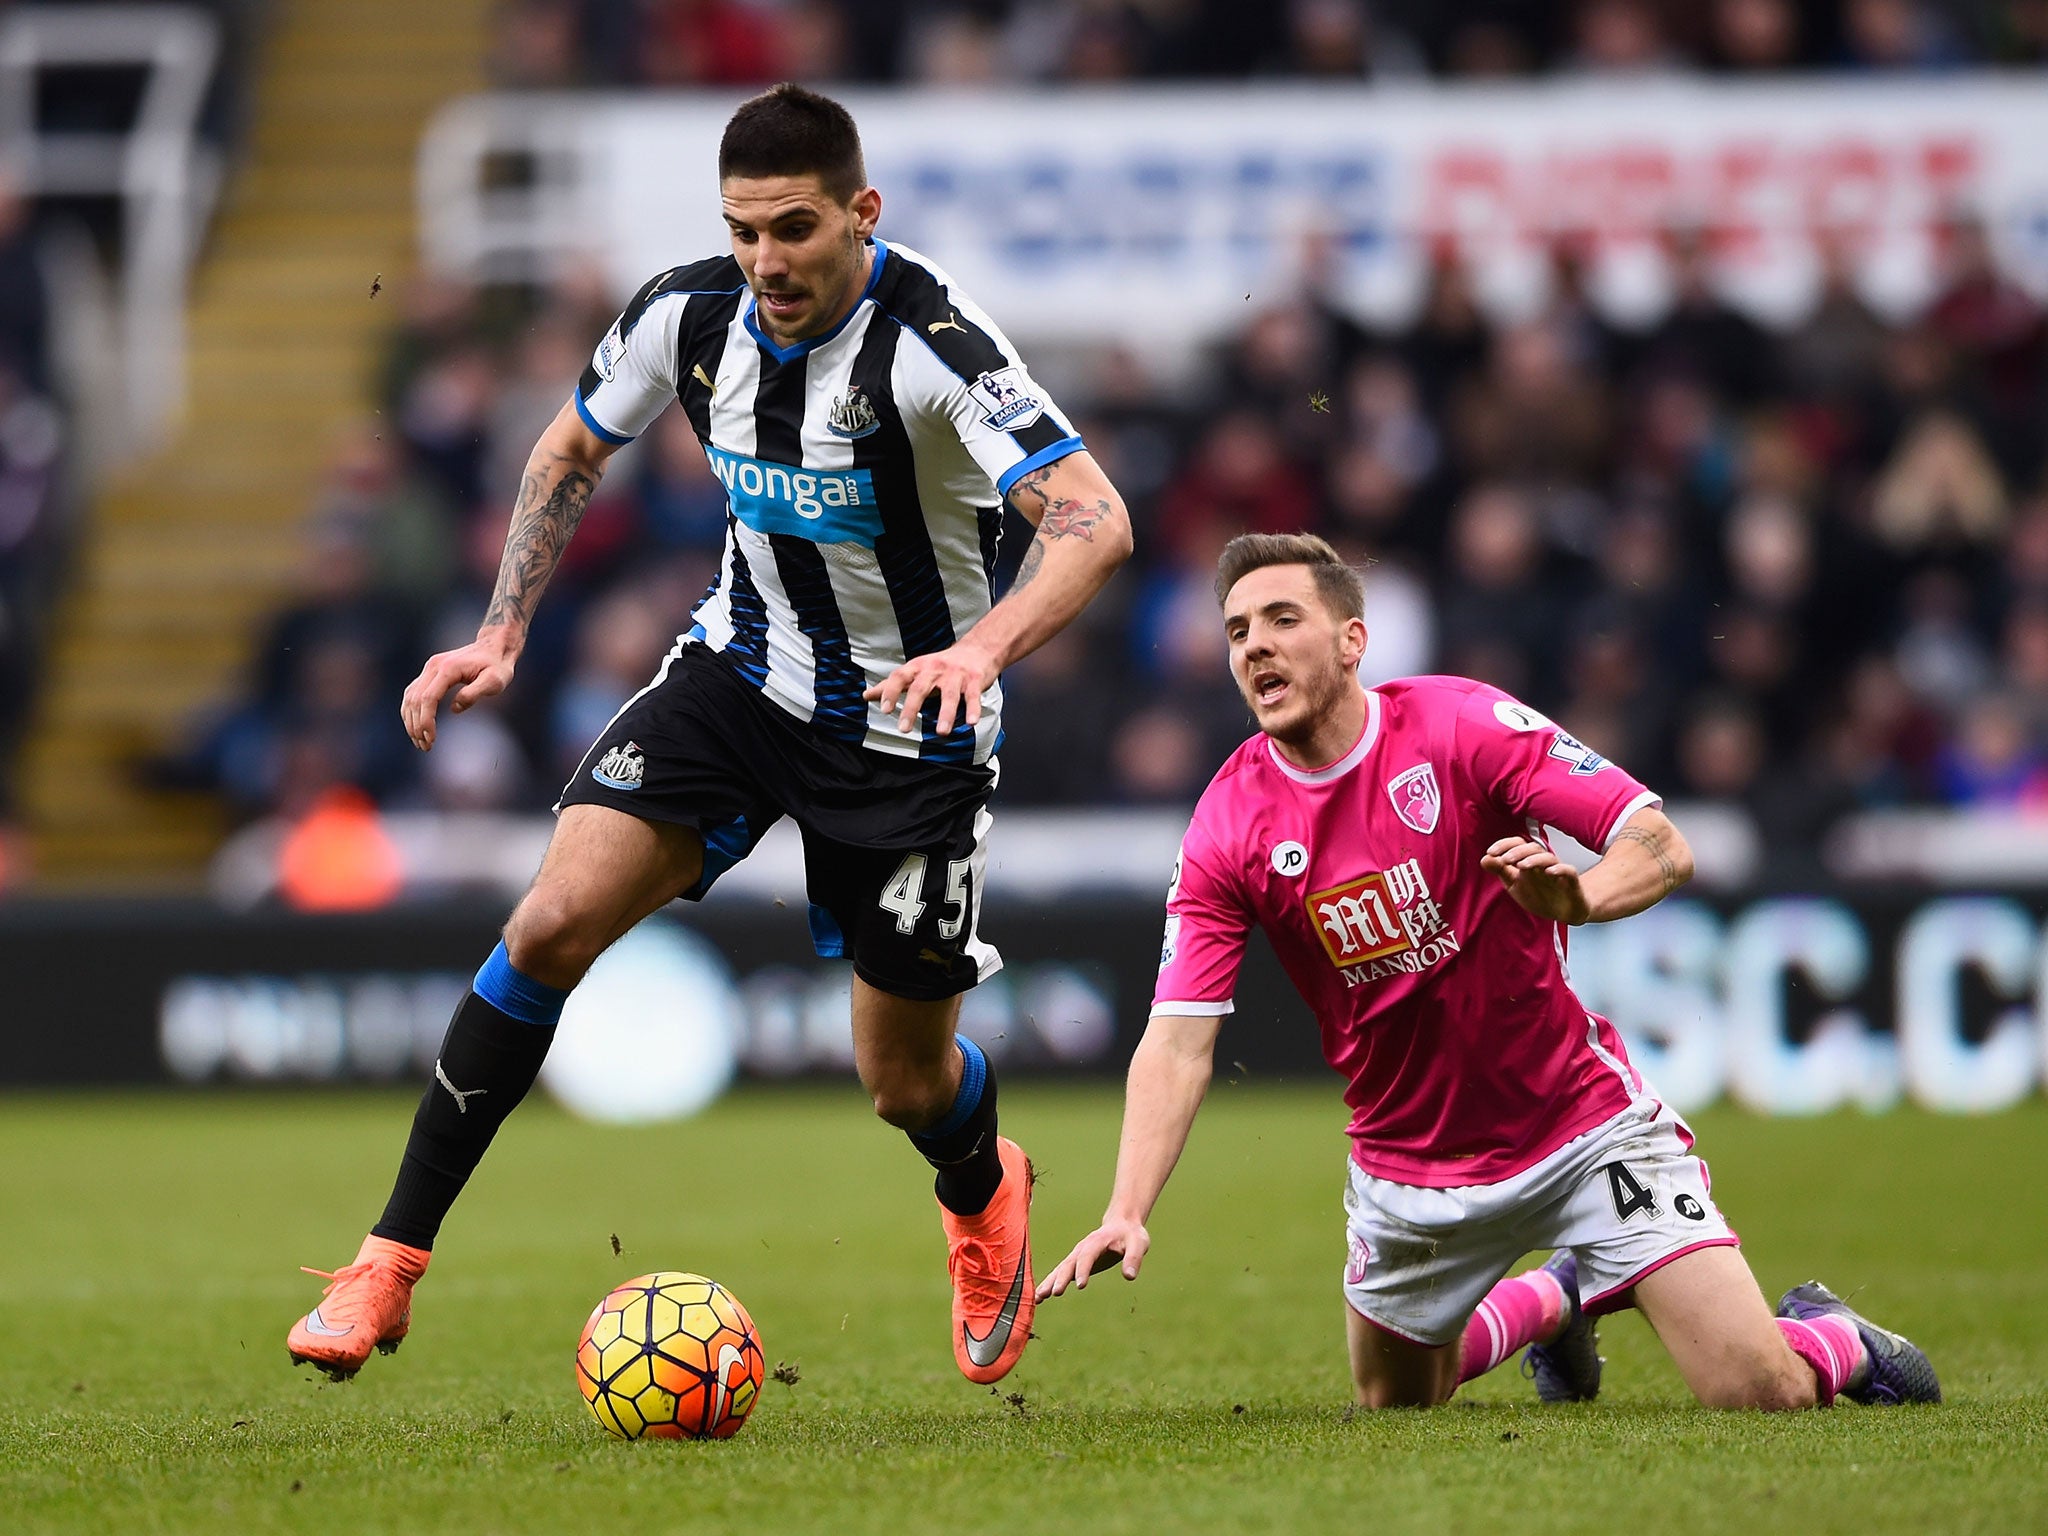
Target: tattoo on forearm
x=1058 y=517
x=1655 y=844
x=543 y=522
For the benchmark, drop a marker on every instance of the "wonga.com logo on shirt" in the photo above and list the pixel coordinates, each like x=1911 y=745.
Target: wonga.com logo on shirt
x=826 y=506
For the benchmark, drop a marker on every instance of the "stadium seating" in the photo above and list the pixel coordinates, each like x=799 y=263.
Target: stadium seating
x=193 y=545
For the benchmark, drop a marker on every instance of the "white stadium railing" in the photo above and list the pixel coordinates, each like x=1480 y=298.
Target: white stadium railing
x=507 y=187
x=164 y=176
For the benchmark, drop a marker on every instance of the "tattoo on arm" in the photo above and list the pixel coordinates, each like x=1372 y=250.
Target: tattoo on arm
x=1058 y=517
x=543 y=521
x=1655 y=844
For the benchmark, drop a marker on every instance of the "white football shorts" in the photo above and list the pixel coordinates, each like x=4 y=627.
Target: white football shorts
x=1627 y=1197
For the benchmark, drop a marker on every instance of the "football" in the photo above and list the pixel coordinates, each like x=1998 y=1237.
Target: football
x=670 y=1356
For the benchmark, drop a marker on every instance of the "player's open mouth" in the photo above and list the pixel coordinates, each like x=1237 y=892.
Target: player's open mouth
x=1268 y=688
x=782 y=305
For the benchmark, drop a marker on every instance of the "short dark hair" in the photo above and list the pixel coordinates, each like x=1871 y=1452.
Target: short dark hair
x=1341 y=588
x=789 y=131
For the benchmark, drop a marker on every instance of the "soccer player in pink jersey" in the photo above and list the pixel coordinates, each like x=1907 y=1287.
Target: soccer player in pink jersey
x=1390 y=842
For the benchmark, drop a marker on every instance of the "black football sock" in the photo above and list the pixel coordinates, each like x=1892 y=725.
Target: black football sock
x=489 y=1059
x=962 y=1146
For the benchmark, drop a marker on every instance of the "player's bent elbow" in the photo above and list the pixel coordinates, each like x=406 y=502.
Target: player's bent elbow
x=1118 y=542
x=1184 y=1043
x=1679 y=852
x=567 y=443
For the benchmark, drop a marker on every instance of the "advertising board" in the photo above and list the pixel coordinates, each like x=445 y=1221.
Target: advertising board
x=1154 y=217
x=1788 y=1004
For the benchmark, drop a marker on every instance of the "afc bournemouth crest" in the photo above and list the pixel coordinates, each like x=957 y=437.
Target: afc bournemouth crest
x=1359 y=1261
x=1417 y=801
x=622 y=767
x=852 y=414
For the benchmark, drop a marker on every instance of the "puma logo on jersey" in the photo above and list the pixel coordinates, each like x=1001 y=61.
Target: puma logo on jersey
x=950 y=323
x=703 y=378
x=461 y=1097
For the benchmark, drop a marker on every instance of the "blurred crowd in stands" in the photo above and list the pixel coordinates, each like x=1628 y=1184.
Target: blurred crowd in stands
x=1801 y=570
x=31 y=440
x=554 y=44
x=1805 y=571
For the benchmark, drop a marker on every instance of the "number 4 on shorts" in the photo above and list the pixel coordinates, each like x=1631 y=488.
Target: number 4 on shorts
x=1629 y=1194
x=903 y=896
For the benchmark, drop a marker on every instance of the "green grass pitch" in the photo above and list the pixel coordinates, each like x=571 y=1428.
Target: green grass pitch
x=148 y=1276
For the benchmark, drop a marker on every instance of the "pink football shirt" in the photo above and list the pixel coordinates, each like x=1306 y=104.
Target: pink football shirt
x=1441 y=1001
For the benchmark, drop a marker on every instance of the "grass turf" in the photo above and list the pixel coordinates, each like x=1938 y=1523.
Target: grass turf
x=148 y=1279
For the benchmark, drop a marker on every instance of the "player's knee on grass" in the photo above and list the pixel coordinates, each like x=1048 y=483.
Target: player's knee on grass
x=1716 y=1326
x=1765 y=1376
x=1391 y=1372
x=1386 y=1394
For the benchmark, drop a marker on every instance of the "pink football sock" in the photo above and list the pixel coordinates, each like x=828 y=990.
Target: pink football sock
x=1515 y=1313
x=1831 y=1345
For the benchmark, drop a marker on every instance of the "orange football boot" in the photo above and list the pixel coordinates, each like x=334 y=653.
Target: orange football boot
x=989 y=1258
x=367 y=1305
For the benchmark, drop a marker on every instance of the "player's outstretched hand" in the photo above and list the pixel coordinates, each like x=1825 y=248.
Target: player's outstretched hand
x=475 y=672
x=959 y=675
x=1113 y=1241
x=1538 y=879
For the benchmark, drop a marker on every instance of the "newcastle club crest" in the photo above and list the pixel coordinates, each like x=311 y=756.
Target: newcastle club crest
x=622 y=767
x=852 y=414
x=1417 y=800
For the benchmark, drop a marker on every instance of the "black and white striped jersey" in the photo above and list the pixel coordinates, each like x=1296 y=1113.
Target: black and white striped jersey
x=864 y=472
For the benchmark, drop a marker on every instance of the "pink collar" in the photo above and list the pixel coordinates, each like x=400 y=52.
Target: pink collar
x=1344 y=764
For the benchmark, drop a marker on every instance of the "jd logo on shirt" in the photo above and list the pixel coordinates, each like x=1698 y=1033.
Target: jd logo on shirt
x=826 y=506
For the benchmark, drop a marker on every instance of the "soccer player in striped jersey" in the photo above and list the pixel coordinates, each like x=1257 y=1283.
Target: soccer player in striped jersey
x=868 y=422
x=1390 y=843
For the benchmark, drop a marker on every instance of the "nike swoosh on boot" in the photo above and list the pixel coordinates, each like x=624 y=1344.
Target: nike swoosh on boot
x=984 y=1351
x=315 y=1323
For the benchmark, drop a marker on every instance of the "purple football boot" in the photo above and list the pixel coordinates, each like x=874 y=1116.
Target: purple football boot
x=1899 y=1370
x=1567 y=1369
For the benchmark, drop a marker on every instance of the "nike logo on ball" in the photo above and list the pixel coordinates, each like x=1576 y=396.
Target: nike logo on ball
x=315 y=1323
x=986 y=1350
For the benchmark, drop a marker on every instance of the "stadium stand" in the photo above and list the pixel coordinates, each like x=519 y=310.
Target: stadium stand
x=192 y=544
x=1804 y=572
x=566 y=43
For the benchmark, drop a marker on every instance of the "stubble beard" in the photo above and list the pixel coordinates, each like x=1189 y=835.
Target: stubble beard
x=1318 y=694
x=841 y=281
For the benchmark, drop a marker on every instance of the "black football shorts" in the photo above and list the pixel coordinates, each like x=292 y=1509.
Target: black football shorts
x=894 y=848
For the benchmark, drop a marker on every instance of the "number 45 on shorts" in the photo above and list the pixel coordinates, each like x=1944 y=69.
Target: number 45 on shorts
x=903 y=895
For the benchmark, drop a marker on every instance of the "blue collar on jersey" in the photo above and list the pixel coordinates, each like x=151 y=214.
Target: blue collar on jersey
x=810 y=343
